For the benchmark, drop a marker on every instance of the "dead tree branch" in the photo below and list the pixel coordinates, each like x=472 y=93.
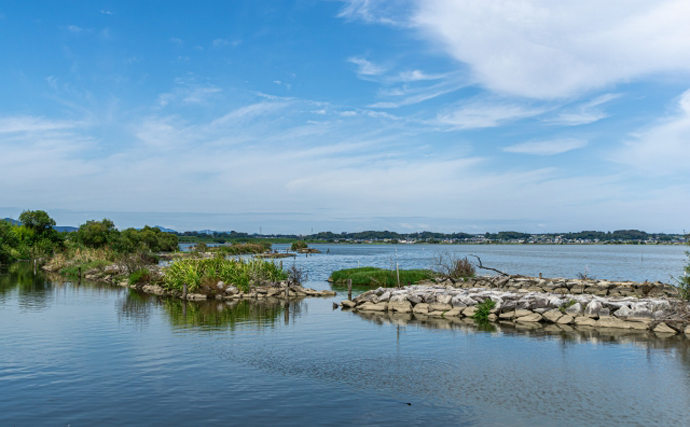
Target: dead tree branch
x=488 y=268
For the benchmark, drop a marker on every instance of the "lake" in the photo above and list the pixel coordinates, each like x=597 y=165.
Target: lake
x=83 y=354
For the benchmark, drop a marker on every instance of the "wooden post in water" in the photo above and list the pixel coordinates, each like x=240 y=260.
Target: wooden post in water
x=184 y=291
x=349 y=289
x=35 y=262
x=397 y=272
x=79 y=272
x=540 y=275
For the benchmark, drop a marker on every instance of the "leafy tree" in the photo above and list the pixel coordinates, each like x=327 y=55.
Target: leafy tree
x=8 y=242
x=96 y=234
x=38 y=221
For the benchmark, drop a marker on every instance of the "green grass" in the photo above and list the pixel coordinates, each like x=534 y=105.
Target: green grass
x=200 y=274
x=483 y=310
x=373 y=276
x=73 y=270
x=239 y=249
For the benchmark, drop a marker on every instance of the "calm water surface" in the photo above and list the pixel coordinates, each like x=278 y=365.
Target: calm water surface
x=86 y=354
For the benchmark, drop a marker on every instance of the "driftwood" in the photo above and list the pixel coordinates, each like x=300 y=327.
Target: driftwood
x=480 y=265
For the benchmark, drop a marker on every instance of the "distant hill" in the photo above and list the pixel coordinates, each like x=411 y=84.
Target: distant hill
x=165 y=230
x=60 y=228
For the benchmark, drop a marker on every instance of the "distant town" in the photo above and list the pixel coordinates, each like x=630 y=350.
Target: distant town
x=634 y=237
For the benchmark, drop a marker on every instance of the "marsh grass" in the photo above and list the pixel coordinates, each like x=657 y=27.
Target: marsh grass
x=240 y=249
x=373 y=276
x=204 y=274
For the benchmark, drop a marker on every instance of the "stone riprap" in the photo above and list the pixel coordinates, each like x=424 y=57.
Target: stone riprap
x=567 y=286
x=660 y=315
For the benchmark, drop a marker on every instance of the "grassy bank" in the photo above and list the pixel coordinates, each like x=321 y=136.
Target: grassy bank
x=372 y=276
x=202 y=275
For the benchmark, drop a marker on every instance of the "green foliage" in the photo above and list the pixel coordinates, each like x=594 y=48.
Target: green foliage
x=38 y=221
x=96 y=234
x=566 y=305
x=142 y=275
x=380 y=277
x=683 y=282
x=296 y=246
x=8 y=242
x=242 y=248
x=197 y=273
x=148 y=239
x=483 y=310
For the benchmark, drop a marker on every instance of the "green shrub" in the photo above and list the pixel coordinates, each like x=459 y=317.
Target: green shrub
x=296 y=246
x=143 y=275
x=483 y=310
x=73 y=270
x=197 y=273
x=380 y=277
x=683 y=282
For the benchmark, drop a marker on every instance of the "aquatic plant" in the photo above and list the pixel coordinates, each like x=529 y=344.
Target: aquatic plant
x=243 y=274
x=380 y=277
x=683 y=282
x=483 y=310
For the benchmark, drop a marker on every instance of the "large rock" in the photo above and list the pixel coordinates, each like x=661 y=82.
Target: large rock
x=414 y=298
x=421 y=308
x=637 y=311
x=585 y=321
x=613 y=322
x=369 y=306
x=348 y=304
x=400 y=307
x=437 y=306
x=552 y=315
x=153 y=289
x=196 y=297
x=454 y=312
x=565 y=320
x=687 y=330
x=444 y=299
x=469 y=311
x=532 y=317
x=595 y=309
x=663 y=328
x=574 y=310
x=384 y=297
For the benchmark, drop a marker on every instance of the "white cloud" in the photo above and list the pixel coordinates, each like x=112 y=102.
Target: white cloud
x=547 y=148
x=486 y=113
x=585 y=113
x=417 y=75
x=176 y=41
x=549 y=49
x=31 y=124
x=365 y=67
x=664 y=148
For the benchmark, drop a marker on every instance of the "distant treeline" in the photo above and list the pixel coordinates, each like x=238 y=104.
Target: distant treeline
x=426 y=236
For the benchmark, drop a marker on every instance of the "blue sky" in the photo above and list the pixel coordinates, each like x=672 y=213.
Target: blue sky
x=348 y=115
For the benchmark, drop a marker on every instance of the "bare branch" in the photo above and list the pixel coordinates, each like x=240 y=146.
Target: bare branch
x=488 y=268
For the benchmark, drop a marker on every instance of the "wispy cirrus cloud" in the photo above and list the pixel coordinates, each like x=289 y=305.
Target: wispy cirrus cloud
x=663 y=148
x=365 y=67
x=585 y=113
x=547 y=148
x=485 y=113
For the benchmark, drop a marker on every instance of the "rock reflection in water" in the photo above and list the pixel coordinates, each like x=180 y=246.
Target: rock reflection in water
x=566 y=333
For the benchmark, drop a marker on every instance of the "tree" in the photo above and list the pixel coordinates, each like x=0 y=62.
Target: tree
x=8 y=242
x=38 y=221
x=96 y=234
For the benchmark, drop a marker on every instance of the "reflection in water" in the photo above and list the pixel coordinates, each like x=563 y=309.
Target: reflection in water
x=216 y=314
x=32 y=289
x=137 y=307
x=568 y=335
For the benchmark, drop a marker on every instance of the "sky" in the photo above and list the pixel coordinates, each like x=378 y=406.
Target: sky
x=316 y=115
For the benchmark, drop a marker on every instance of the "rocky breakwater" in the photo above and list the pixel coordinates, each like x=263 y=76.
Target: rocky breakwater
x=660 y=315
x=568 y=286
x=226 y=292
